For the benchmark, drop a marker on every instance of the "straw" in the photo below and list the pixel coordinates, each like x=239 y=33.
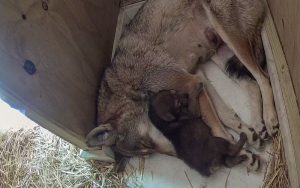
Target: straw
x=277 y=172
x=37 y=158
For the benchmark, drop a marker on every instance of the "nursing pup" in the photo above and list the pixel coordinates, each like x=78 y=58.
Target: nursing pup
x=191 y=137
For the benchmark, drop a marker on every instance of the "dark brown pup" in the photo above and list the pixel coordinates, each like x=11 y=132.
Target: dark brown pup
x=191 y=137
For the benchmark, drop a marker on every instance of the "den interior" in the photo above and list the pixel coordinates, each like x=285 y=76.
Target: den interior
x=53 y=53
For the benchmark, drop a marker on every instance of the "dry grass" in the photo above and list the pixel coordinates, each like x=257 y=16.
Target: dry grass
x=37 y=158
x=277 y=174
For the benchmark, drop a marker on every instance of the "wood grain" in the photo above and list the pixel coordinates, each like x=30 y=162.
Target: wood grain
x=285 y=100
x=69 y=42
x=286 y=16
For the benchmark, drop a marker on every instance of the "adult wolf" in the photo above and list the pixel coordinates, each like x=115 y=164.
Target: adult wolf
x=159 y=50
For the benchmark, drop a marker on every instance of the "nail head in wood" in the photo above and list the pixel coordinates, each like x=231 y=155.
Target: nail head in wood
x=29 y=67
x=23 y=16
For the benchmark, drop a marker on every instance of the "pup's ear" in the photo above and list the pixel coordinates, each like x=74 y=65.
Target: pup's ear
x=103 y=135
x=168 y=117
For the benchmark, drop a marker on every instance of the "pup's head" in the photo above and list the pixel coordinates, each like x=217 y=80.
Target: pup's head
x=169 y=106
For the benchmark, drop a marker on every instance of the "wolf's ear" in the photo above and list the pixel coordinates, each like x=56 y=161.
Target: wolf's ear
x=213 y=38
x=103 y=135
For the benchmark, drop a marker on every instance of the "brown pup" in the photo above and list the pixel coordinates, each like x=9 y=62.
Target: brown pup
x=191 y=137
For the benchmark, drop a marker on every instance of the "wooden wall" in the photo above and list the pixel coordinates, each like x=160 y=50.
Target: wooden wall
x=69 y=42
x=286 y=15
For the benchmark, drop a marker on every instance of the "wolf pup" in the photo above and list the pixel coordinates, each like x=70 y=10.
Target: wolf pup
x=191 y=137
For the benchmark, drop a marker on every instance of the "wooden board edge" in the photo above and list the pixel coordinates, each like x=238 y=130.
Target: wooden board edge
x=129 y=2
x=285 y=99
x=71 y=137
x=104 y=155
x=52 y=126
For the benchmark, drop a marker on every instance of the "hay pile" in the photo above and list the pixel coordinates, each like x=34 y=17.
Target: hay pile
x=277 y=173
x=37 y=158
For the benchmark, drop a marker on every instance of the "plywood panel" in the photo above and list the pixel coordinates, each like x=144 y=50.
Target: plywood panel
x=69 y=42
x=286 y=16
x=285 y=100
